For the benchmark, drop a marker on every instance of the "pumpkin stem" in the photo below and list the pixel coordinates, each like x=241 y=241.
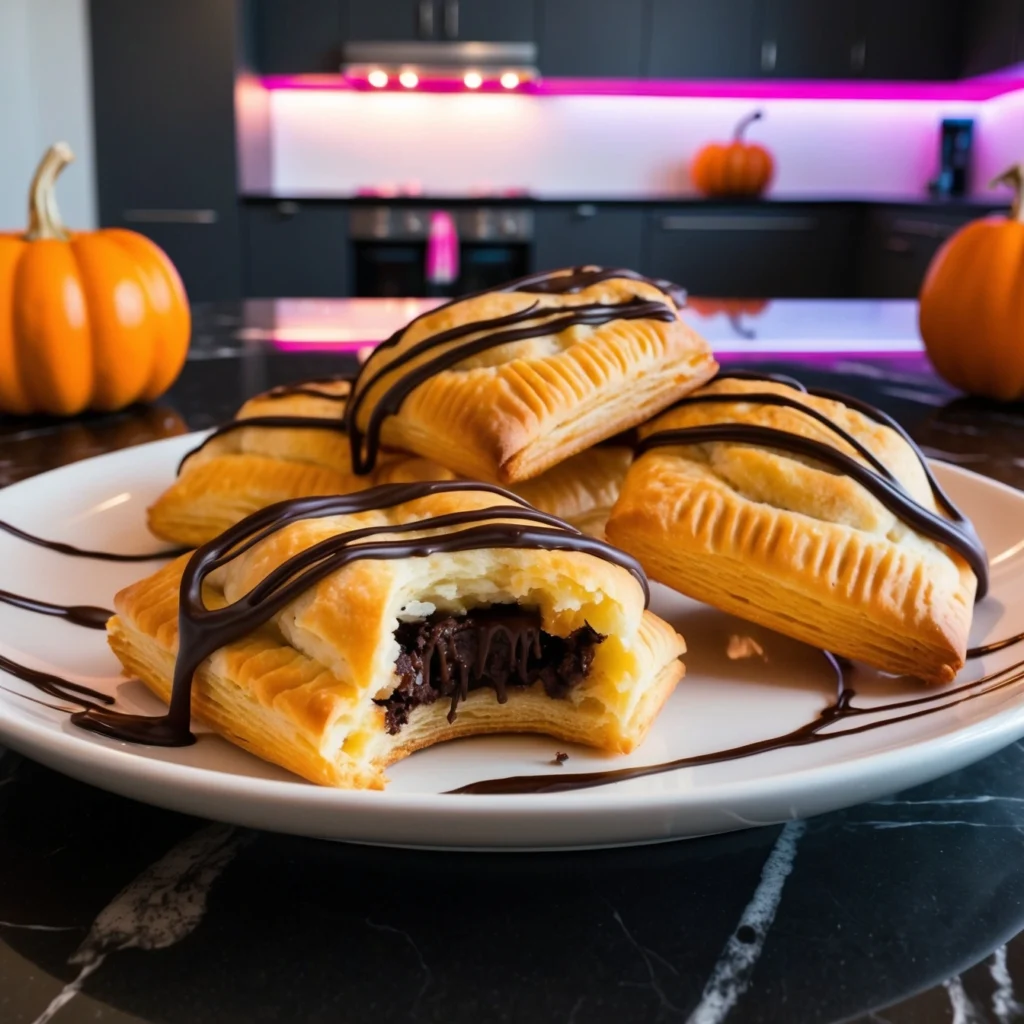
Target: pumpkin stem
x=737 y=135
x=1014 y=177
x=43 y=216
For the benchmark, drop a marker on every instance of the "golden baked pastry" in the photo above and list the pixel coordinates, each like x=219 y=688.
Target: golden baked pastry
x=335 y=635
x=504 y=384
x=813 y=516
x=242 y=469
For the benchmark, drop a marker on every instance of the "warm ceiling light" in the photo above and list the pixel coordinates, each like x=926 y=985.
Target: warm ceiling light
x=409 y=79
x=472 y=80
x=509 y=80
x=378 y=79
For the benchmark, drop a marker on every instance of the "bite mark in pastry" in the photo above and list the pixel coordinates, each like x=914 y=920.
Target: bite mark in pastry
x=809 y=514
x=291 y=442
x=335 y=635
x=504 y=384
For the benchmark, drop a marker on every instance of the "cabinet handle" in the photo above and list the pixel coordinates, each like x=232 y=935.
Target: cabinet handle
x=738 y=223
x=923 y=228
x=769 y=51
x=451 y=18
x=426 y=18
x=896 y=244
x=858 y=55
x=586 y=210
x=171 y=216
x=287 y=208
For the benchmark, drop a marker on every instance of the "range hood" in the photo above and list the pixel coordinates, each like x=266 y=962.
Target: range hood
x=474 y=64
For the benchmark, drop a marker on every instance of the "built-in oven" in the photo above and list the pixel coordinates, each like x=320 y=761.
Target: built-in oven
x=402 y=251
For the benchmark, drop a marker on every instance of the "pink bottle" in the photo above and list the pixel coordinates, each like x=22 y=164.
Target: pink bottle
x=442 y=269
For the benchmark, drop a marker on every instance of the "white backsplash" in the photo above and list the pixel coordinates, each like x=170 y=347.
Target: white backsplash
x=333 y=142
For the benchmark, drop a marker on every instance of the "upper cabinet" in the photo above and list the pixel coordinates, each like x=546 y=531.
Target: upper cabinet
x=704 y=38
x=912 y=39
x=680 y=39
x=390 y=20
x=294 y=36
x=489 y=21
x=591 y=39
x=811 y=39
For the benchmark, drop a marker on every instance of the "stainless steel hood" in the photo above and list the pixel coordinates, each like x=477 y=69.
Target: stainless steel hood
x=441 y=59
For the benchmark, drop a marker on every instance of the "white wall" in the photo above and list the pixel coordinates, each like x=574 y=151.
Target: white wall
x=45 y=96
x=334 y=142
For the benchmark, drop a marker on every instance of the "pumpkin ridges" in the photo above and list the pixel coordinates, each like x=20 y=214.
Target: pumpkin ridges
x=51 y=325
x=168 y=308
x=972 y=332
x=123 y=340
x=13 y=397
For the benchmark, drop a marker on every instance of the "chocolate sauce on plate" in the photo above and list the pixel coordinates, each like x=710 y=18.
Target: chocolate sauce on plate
x=55 y=686
x=70 y=549
x=84 y=615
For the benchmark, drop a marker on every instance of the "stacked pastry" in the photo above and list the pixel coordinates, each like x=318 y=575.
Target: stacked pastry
x=333 y=635
x=512 y=385
x=336 y=634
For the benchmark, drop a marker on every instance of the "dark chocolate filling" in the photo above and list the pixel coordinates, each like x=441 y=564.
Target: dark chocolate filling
x=501 y=646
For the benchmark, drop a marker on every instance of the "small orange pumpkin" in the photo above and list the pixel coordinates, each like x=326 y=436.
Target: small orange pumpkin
x=731 y=307
x=737 y=168
x=88 y=320
x=971 y=312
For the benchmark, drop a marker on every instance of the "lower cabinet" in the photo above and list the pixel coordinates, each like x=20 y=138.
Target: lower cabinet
x=566 y=236
x=295 y=249
x=898 y=245
x=792 y=252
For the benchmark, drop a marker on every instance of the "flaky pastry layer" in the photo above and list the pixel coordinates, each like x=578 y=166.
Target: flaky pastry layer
x=785 y=542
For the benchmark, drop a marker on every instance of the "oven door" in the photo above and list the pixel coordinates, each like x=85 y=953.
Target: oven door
x=390 y=269
x=486 y=265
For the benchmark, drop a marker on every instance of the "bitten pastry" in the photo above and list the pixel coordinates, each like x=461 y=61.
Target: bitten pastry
x=810 y=513
x=335 y=635
x=504 y=384
x=295 y=446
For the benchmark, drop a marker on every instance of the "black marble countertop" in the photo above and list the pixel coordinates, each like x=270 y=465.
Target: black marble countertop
x=904 y=910
x=925 y=200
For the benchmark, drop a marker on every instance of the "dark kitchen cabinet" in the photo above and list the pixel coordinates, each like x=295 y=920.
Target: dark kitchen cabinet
x=592 y=38
x=296 y=249
x=566 y=236
x=795 y=252
x=898 y=244
x=295 y=36
x=912 y=39
x=704 y=39
x=391 y=20
x=811 y=39
x=993 y=35
x=488 y=21
x=163 y=103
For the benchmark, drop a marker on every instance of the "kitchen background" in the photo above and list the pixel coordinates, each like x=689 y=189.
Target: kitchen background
x=272 y=148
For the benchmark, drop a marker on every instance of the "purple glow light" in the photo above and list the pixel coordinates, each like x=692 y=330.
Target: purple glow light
x=969 y=90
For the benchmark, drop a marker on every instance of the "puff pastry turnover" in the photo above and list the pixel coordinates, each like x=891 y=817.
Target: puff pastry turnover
x=739 y=501
x=502 y=385
x=393 y=619
x=301 y=450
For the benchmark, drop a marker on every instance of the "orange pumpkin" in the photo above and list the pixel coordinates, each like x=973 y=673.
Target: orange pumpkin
x=731 y=307
x=971 y=312
x=737 y=168
x=88 y=320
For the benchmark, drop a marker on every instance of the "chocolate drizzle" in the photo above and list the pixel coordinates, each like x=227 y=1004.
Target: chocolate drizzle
x=956 y=532
x=309 y=388
x=532 y=322
x=84 y=615
x=840 y=710
x=202 y=630
x=70 y=549
x=995 y=645
x=269 y=422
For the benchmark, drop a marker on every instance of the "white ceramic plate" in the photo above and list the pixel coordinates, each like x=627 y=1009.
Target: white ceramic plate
x=723 y=702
